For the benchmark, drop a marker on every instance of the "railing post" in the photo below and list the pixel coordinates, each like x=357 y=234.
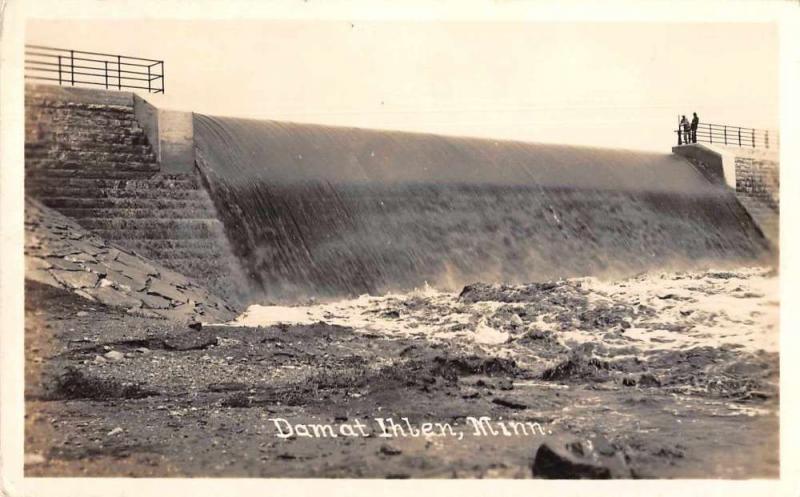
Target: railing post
x=162 y=76
x=710 y=133
x=766 y=138
x=148 y=79
x=753 y=131
x=105 y=72
x=739 y=130
x=59 y=70
x=119 y=72
x=72 y=65
x=725 y=133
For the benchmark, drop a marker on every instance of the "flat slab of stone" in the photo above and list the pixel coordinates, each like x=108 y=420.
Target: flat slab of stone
x=164 y=289
x=76 y=279
x=42 y=276
x=110 y=296
x=153 y=301
x=61 y=263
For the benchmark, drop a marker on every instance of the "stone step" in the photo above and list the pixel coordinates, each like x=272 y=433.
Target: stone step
x=189 y=230
x=83 y=131
x=119 y=112
x=175 y=255
x=116 y=171
x=67 y=124
x=200 y=212
x=199 y=201
x=58 y=113
x=92 y=173
x=170 y=244
x=33 y=165
x=49 y=103
x=109 y=155
x=74 y=124
x=35 y=149
x=95 y=138
x=120 y=193
x=166 y=182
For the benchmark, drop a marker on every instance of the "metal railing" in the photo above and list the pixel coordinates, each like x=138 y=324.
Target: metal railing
x=724 y=134
x=76 y=67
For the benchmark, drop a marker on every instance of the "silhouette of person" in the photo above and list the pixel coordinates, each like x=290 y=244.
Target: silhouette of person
x=695 y=122
x=684 y=125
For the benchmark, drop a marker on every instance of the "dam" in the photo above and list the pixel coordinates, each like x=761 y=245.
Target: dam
x=190 y=278
x=287 y=211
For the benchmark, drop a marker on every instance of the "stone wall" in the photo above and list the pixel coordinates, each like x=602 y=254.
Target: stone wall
x=758 y=178
x=88 y=157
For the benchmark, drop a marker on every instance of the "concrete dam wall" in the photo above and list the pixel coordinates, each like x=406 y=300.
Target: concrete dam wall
x=316 y=211
x=262 y=210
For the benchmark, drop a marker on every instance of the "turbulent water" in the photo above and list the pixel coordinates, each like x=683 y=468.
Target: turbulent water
x=315 y=211
x=646 y=313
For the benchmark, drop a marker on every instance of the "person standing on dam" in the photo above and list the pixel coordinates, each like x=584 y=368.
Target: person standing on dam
x=683 y=126
x=695 y=122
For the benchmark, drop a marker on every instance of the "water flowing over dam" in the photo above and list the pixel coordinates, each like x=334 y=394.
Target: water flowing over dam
x=317 y=211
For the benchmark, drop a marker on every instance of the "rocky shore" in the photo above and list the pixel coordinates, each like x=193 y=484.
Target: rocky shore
x=110 y=392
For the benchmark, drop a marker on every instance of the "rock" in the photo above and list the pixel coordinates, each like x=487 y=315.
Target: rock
x=79 y=258
x=42 y=276
x=34 y=458
x=534 y=335
x=648 y=380
x=115 y=431
x=153 y=301
x=111 y=296
x=114 y=355
x=139 y=277
x=564 y=458
x=470 y=393
x=190 y=342
x=196 y=325
x=82 y=314
x=86 y=248
x=32 y=263
x=75 y=279
x=99 y=359
x=578 y=367
x=164 y=289
x=510 y=403
x=388 y=450
x=228 y=386
x=145 y=313
x=504 y=384
x=142 y=350
x=65 y=265
x=137 y=263
x=85 y=295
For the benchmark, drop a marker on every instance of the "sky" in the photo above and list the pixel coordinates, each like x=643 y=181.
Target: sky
x=619 y=85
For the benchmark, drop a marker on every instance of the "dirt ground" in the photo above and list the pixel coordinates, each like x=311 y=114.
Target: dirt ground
x=110 y=394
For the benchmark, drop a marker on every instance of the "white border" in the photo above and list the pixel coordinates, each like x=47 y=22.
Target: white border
x=14 y=13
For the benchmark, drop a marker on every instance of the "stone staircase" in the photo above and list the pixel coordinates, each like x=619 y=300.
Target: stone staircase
x=93 y=163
